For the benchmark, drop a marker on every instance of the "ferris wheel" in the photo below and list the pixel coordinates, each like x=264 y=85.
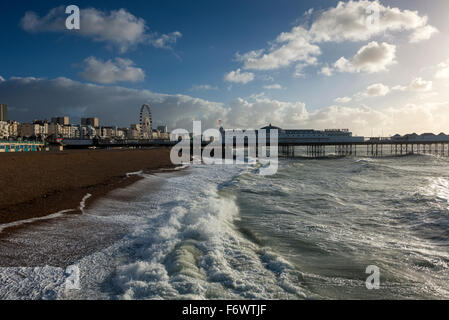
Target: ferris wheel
x=146 y=122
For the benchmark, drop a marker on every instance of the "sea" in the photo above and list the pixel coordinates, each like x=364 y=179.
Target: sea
x=227 y=232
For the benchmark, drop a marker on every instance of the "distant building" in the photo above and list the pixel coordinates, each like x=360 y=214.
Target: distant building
x=93 y=122
x=4 y=130
x=33 y=129
x=161 y=133
x=107 y=132
x=133 y=133
x=87 y=132
x=162 y=129
x=308 y=135
x=63 y=131
x=63 y=121
x=3 y=112
x=425 y=137
x=13 y=128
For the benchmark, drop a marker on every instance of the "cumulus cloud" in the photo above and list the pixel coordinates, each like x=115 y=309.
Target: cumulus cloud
x=373 y=57
x=399 y=88
x=417 y=85
x=376 y=90
x=326 y=70
x=443 y=70
x=343 y=100
x=262 y=111
x=239 y=77
x=423 y=33
x=290 y=47
x=2 y=79
x=205 y=87
x=275 y=86
x=120 y=106
x=114 y=105
x=348 y=21
x=166 y=40
x=420 y=85
x=117 y=27
x=111 y=71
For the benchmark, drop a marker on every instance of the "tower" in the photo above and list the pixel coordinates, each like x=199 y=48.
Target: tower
x=3 y=112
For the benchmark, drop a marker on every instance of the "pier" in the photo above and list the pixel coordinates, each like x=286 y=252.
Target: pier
x=370 y=148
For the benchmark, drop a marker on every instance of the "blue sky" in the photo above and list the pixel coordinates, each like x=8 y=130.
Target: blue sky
x=213 y=32
x=210 y=37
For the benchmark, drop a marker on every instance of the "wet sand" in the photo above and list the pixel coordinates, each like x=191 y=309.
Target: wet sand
x=34 y=185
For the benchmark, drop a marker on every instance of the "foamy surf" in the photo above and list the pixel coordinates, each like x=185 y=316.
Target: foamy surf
x=47 y=217
x=83 y=202
x=183 y=244
x=32 y=220
x=191 y=248
x=226 y=232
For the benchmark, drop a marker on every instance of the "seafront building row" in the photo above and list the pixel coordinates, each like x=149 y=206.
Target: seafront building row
x=61 y=128
x=89 y=133
x=42 y=130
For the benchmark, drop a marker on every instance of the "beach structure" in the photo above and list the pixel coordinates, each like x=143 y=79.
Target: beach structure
x=146 y=122
x=293 y=136
x=20 y=146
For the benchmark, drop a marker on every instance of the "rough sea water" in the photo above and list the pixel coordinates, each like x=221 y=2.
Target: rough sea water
x=226 y=232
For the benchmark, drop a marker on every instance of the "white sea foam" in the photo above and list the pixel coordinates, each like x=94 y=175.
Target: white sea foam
x=183 y=244
x=137 y=173
x=83 y=202
x=40 y=283
x=27 y=221
x=190 y=249
x=47 y=217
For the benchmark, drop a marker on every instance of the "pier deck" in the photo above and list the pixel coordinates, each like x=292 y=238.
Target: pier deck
x=319 y=149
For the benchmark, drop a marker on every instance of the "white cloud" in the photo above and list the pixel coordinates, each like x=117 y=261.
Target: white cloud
x=262 y=111
x=343 y=100
x=239 y=77
x=376 y=90
x=326 y=70
x=423 y=33
x=348 y=21
x=111 y=71
x=399 y=88
x=443 y=70
x=273 y=87
x=381 y=90
x=120 y=106
x=205 y=87
x=114 y=105
x=166 y=40
x=117 y=27
x=418 y=84
x=2 y=79
x=289 y=47
x=360 y=120
x=373 y=57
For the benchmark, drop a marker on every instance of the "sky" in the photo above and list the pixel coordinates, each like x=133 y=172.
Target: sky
x=375 y=67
